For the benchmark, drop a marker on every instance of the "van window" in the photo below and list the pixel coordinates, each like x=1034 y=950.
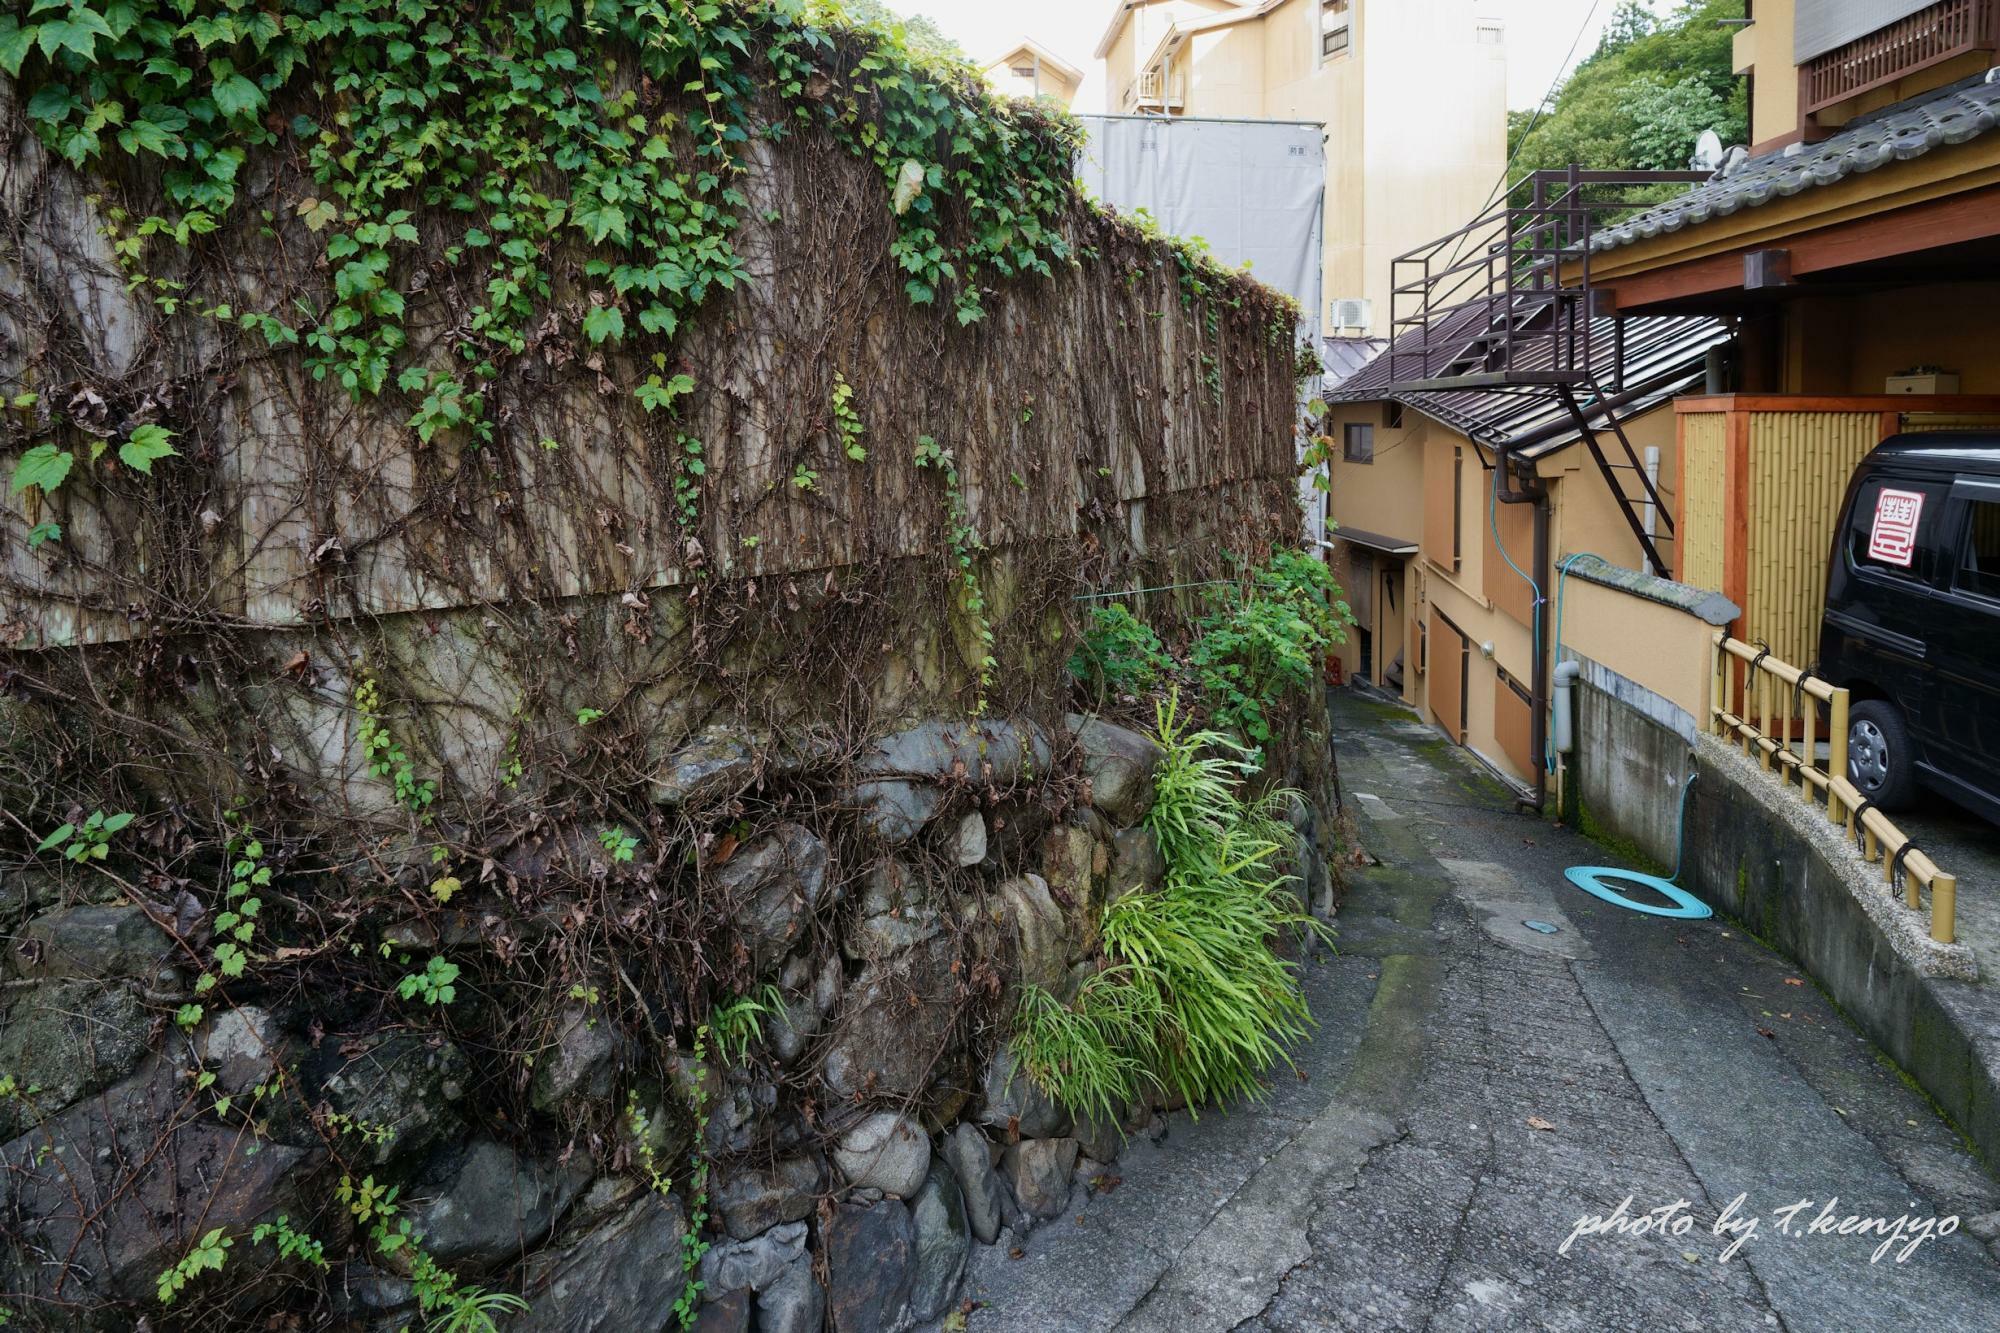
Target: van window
x=1979 y=560
x=1893 y=527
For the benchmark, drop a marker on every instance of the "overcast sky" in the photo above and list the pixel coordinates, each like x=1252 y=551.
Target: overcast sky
x=1539 y=33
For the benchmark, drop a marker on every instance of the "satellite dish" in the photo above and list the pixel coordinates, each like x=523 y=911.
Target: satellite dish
x=1707 y=152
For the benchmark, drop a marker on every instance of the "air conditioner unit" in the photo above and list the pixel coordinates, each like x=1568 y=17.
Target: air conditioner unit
x=1351 y=313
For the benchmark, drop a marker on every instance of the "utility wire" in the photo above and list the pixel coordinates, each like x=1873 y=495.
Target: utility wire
x=1500 y=186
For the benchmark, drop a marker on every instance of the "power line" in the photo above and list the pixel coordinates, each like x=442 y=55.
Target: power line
x=1535 y=119
x=1542 y=106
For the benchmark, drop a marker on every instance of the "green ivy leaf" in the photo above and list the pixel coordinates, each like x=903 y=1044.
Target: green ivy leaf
x=236 y=96
x=15 y=43
x=53 y=102
x=44 y=532
x=148 y=445
x=79 y=33
x=148 y=137
x=602 y=322
x=44 y=466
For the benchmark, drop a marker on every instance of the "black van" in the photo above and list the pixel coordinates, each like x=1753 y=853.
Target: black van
x=1912 y=622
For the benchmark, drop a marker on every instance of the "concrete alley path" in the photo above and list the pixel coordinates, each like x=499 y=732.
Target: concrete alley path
x=1402 y=1178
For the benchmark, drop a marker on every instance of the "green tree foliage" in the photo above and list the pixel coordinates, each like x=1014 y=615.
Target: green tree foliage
x=1629 y=22
x=920 y=31
x=1643 y=96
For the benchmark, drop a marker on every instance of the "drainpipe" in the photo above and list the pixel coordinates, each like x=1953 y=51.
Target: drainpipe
x=1565 y=719
x=1533 y=490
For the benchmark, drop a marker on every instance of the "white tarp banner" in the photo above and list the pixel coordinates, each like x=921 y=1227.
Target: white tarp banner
x=1253 y=189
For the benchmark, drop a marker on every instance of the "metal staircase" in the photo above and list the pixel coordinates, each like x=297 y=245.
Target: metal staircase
x=1505 y=303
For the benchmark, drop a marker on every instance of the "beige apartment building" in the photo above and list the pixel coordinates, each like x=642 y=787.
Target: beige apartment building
x=1412 y=94
x=1029 y=69
x=1438 y=570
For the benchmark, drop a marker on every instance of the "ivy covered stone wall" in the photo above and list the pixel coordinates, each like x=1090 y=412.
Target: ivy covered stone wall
x=537 y=573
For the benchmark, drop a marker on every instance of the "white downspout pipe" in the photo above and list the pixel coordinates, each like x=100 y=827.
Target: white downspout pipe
x=1563 y=704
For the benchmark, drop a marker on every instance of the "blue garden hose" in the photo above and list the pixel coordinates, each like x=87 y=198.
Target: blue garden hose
x=1597 y=880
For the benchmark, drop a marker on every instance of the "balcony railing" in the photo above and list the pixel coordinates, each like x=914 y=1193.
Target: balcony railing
x=1152 y=89
x=1505 y=299
x=1928 y=37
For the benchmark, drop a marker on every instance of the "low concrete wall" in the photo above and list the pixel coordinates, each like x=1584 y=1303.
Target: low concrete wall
x=1776 y=872
x=1623 y=783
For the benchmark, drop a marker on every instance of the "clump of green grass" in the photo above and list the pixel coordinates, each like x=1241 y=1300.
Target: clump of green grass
x=1196 y=998
x=738 y=1022
x=1097 y=1053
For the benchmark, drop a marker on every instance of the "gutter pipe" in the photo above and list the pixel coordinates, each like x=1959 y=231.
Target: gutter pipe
x=1531 y=490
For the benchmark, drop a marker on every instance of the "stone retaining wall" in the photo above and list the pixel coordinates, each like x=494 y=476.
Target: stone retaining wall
x=874 y=1131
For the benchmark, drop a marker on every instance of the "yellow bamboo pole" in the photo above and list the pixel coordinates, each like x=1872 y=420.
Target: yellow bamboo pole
x=1944 y=908
x=1808 y=752
x=1836 y=763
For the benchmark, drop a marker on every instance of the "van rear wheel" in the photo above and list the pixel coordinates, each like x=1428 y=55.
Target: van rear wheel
x=1878 y=754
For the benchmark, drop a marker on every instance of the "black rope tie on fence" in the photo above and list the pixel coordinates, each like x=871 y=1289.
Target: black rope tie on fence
x=1896 y=862
x=1799 y=689
x=1800 y=761
x=1861 y=832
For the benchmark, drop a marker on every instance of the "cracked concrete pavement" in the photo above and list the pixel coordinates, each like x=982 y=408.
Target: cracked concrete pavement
x=1402 y=1176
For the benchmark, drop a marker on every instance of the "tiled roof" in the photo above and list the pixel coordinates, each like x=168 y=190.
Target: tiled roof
x=1895 y=134
x=1664 y=352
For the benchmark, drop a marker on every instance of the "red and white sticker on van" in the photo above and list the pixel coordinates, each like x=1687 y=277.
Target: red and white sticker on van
x=1893 y=539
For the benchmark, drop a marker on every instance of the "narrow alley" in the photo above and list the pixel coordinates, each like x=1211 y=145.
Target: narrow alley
x=1477 y=1087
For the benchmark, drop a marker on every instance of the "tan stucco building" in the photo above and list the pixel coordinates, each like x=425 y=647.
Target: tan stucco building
x=1412 y=94
x=1029 y=69
x=1423 y=546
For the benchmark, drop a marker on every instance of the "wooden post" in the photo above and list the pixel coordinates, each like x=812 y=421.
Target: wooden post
x=1764 y=717
x=1944 y=907
x=1809 y=754
x=1718 y=685
x=1836 y=763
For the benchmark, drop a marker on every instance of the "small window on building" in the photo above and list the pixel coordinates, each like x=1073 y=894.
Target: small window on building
x=1358 y=442
x=1022 y=71
x=1392 y=416
x=1979 y=563
x=1336 y=24
x=1489 y=33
